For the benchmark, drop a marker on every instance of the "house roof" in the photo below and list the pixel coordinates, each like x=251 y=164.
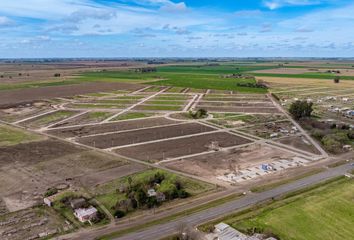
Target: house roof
x=82 y=212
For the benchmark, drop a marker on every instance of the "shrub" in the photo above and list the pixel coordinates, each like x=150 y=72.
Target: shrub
x=119 y=213
x=50 y=192
x=336 y=79
x=200 y=113
x=183 y=194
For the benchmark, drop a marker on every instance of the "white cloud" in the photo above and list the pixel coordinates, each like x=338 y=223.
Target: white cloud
x=248 y=13
x=174 y=7
x=6 y=22
x=275 y=4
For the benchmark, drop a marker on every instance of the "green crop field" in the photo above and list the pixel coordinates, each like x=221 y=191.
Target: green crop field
x=304 y=75
x=325 y=212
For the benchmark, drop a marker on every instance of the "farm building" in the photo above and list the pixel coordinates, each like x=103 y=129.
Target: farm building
x=225 y=232
x=77 y=203
x=49 y=200
x=85 y=214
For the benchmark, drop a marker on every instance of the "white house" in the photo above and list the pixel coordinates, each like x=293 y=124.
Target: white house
x=85 y=214
x=151 y=192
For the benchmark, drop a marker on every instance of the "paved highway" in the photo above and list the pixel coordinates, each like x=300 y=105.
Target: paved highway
x=169 y=228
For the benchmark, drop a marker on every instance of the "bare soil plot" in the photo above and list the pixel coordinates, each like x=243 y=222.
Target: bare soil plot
x=15 y=97
x=28 y=170
x=20 y=112
x=34 y=152
x=219 y=163
x=180 y=147
x=143 y=135
x=242 y=109
x=265 y=130
x=110 y=127
x=29 y=223
x=299 y=142
x=102 y=177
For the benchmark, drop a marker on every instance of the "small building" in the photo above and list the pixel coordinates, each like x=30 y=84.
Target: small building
x=77 y=203
x=347 y=147
x=50 y=200
x=85 y=214
x=274 y=135
x=151 y=192
x=225 y=232
x=160 y=197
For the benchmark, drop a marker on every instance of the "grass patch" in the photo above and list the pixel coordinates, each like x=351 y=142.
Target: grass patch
x=160 y=107
x=10 y=136
x=132 y=115
x=224 y=115
x=52 y=117
x=93 y=105
x=98 y=115
x=175 y=90
x=114 y=101
x=265 y=187
x=338 y=163
x=158 y=102
x=12 y=86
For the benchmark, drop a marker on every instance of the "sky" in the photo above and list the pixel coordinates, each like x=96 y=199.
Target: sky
x=174 y=28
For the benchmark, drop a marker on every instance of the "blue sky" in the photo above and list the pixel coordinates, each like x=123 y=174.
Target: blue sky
x=166 y=28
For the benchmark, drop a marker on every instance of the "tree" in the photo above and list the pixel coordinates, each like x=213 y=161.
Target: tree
x=301 y=109
x=56 y=74
x=336 y=79
x=130 y=180
x=140 y=197
x=200 y=113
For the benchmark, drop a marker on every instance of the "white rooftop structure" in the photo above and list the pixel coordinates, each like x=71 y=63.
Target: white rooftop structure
x=151 y=192
x=85 y=214
x=225 y=232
